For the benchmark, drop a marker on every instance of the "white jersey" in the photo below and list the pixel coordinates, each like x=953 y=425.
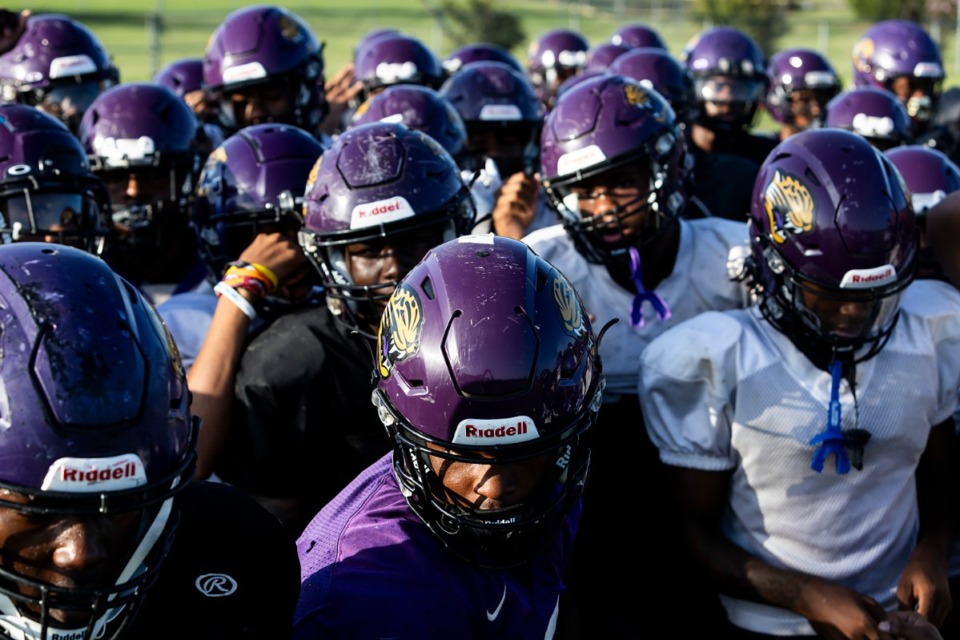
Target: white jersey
x=698 y=283
x=727 y=391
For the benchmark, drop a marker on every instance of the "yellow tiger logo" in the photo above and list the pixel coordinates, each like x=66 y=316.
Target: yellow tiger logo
x=569 y=306
x=400 y=326
x=634 y=94
x=862 y=52
x=789 y=206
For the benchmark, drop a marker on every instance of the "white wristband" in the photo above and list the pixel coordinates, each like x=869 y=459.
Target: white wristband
x=234 y=296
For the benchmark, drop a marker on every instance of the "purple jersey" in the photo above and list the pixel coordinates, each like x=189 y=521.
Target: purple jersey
x=370 y=568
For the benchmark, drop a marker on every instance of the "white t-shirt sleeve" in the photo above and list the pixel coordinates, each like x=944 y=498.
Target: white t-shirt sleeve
x=687 y=382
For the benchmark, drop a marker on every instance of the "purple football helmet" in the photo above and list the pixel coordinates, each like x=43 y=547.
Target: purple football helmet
x=729 y=77
x=657 y=69
x=396 y=58
x=479 y=52
x=58 y=66
x=251 y=183
x=875 y=114
x=830 y=219
x=603 y=55
x=498 y=102
x=898 y=55
x=413 y=189
x=602 y=124
x=552 y=58
x=443 y=394
x=800 y=70
x=930 y=176
x=638 y=36
x=419 y=108
x=182 y=76
x=141 y=140
x=260 y=51
x=96 y=424
x=47 y=190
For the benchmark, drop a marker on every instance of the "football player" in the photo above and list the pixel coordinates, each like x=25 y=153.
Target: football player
x=375 y=202
x=103 y=532
x=810 y=436
x=488 y=385
x=142 y=141
x=615 y=164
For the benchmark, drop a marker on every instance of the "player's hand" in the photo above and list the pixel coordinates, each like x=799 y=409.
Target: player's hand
x=12 y=26
x=839 y=613
x=909 y=625
x=924 y=585
x=516 y=205
x=340 y=89
x=278 y=252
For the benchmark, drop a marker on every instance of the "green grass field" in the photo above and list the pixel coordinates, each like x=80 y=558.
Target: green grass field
x=828 y=25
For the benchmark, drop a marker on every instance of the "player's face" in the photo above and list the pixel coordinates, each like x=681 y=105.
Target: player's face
x=849 y=315
x=385 y=261
x=271 y=102
x=726 y=99
x=505 y=146
x=915 y=93
x=64 y=551
x=616 y=200
x=141 y=185
x=807 y=107
x=490 y=486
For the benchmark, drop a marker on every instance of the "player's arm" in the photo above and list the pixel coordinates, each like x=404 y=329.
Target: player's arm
x=924 y=583
x=212 y=376
x=833 y=610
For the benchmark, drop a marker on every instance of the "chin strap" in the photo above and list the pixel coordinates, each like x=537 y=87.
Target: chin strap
x=659 y=304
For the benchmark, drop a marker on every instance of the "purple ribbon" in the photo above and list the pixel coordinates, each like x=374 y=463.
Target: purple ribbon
x=659 y=304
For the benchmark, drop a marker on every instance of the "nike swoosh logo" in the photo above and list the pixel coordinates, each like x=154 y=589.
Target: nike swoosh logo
x=491 y=616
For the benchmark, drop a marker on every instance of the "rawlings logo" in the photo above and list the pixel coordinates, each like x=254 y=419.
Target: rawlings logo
x=789 y=206
x=216 y=585
x=93 y=475
x=493 y=432
x=400 y=327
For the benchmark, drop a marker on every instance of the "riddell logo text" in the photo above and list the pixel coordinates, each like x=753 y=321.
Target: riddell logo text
x=127 y=470
x=874 y=277
x=379 y=210
x=471 y=431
